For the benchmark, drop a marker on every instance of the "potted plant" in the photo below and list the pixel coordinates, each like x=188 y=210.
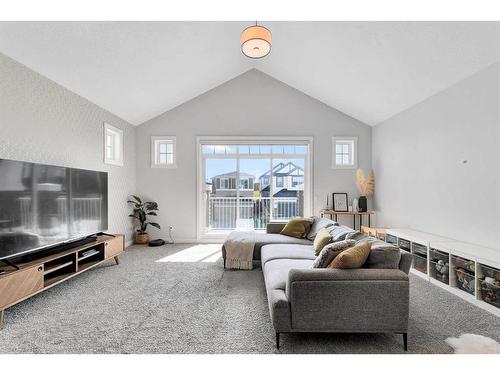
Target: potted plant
x=141 y=211
x=366 y=186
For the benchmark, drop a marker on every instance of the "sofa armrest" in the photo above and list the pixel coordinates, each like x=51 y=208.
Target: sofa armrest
x=358 y=300
x=275 y=227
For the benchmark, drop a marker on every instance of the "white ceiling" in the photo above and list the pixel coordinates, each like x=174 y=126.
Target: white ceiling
x=138 y=70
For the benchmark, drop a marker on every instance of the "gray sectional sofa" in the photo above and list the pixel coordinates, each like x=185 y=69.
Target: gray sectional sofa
x=374 y=298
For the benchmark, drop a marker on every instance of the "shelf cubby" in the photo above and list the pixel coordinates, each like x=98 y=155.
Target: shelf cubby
x=391 y=239
x=439 y=266
x=463 y=274
x=489 y=284
x=90 y=257
x=404 y=244
x=419 y=252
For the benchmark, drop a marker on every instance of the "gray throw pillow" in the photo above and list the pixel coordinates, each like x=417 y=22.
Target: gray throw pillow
x=330 y=251
x=340 y=232
x=319 y=223
x=383 y=255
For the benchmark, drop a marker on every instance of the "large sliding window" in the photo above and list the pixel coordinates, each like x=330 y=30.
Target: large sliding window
x=245 y=184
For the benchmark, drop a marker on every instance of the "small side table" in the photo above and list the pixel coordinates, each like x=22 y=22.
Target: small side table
x=334 y=215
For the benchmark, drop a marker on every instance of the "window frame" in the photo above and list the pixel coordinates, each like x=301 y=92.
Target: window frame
x=305 y=151
x=353 y=141
x=282 y=179
x=227 y=183
x=247 y=179
x=117 y=146
x=156 y=141
x=299 y=182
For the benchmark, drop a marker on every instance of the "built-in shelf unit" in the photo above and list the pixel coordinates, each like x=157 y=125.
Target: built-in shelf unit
x=469 y=271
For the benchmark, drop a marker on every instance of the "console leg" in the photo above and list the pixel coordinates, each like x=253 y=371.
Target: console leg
x=2 y=314
x=277 y=340
x=405 y=341
x=117 y=260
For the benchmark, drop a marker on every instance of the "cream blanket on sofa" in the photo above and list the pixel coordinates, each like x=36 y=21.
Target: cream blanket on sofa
x=239 y=247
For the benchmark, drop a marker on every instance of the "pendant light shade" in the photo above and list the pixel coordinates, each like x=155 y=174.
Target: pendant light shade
x=256 y=42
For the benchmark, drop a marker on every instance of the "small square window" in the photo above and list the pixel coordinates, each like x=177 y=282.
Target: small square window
x=344 y=150
x=113 y=145
x=163 y=152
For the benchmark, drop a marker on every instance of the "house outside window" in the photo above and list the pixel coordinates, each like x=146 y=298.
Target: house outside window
x=163 y=150
x=113 y=145
x=344 y=152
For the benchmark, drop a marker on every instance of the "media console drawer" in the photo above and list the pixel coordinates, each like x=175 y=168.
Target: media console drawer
x=20 y=284
x=113 y=247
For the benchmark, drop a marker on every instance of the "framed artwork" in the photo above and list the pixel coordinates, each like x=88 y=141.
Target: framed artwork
x=340 y=202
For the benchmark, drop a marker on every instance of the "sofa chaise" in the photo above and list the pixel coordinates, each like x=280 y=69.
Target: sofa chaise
x=374 y=298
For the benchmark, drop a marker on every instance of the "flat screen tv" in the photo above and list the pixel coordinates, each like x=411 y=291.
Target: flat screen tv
x=42 y=206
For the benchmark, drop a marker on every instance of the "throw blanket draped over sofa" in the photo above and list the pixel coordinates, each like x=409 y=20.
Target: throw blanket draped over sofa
x=239 y=247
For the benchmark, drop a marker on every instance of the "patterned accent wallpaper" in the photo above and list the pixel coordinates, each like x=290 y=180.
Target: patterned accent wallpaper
x=42 y=122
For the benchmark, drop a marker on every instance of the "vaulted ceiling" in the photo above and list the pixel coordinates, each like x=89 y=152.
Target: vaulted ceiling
x=138 y=70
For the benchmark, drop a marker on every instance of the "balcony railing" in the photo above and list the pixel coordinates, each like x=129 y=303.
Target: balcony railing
x=254 y=213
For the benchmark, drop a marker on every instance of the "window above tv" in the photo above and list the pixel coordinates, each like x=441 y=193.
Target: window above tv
x=113 y=145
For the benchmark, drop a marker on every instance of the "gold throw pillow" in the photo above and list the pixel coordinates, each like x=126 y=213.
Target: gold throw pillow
x=297 y=227
x=354 y=257
x=322 y=239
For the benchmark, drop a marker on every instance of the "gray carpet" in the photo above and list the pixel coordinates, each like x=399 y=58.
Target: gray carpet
x=145 y=306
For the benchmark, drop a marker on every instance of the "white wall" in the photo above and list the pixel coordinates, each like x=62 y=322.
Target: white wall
x=420 y=180
x=43 y=122
x=251 y=104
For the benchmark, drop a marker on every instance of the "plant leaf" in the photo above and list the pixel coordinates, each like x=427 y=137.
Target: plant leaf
x=156 y=225
x=137 y=198
x=152 y=213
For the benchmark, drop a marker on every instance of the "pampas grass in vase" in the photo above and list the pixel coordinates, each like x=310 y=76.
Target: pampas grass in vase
x=366 y=186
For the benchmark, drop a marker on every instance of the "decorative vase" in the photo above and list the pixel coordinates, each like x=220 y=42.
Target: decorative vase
x=141 y=239
x=355 y=206
x=362 y=204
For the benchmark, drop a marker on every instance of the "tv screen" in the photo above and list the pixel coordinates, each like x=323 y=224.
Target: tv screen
x=44 y=205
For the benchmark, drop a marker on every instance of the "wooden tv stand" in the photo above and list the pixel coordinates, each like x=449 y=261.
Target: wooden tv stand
x=44 y=273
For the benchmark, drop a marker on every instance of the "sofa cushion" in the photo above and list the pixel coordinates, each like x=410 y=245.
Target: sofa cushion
x=322 y=239
x=330 y=252
x=276 y=271
x=278 y=251
x=353 y=257
x=297 y=227
x=262 y=239
x=319 y=223
x=339 y=232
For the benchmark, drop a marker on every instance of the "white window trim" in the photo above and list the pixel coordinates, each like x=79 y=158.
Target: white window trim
x=155 y=141
x=354 y=164
x=119 y=160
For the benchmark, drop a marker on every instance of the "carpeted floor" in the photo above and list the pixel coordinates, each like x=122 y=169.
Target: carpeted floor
x=178 y=299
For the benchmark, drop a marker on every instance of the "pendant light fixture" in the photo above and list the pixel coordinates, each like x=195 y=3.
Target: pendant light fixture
x=256 y=41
